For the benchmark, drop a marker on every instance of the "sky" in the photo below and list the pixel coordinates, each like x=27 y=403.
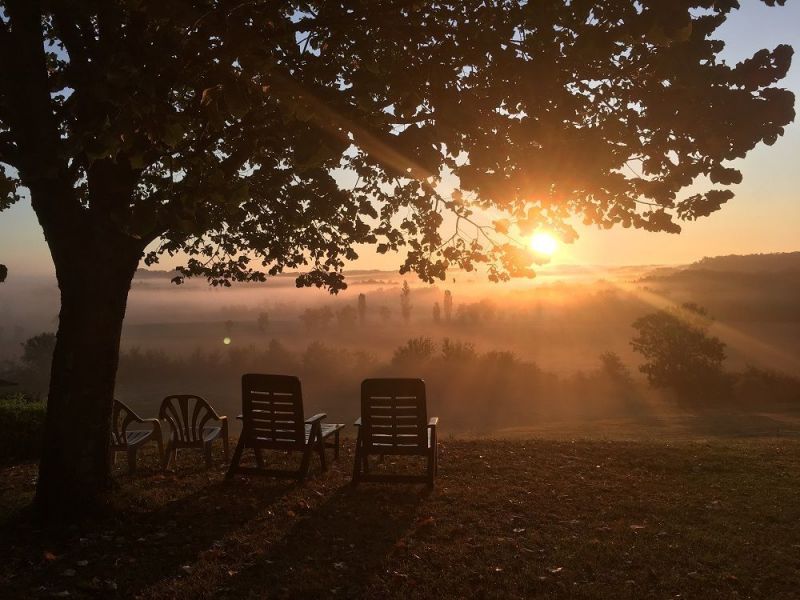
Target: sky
x=763 y=217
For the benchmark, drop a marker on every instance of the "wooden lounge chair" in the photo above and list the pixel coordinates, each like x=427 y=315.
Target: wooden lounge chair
x=394 y=421
x=272 y=419
x=188 y=417
x=128 y=440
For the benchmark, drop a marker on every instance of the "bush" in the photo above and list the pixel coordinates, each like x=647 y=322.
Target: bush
x=414 y=352
x=679 y=354
x=22 y=427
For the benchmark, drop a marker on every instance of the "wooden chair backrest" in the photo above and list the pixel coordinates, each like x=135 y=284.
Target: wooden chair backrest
x=394 y=416
x=121 y=416
x=272 y=411
x=187 y=415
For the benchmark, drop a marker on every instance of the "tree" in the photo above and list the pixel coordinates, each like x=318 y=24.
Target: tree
x=37 y=352
x=678 y=351
x=405 y=302
x=362 y=308
x=346 y=317
x=211 y=130
x=448 y=305
x=385 y=313
x=414 y=352
x=437 y=313
x=263 y=321
x=317 y=318
x=616 y=370
x=458 y=352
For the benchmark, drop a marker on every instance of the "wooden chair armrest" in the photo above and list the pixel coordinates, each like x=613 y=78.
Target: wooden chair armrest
x=433 y=421
x=214 y=413
x=156 y=426
x=315 y=418
x=222 y=419
x=137 y=419
x=358 y=422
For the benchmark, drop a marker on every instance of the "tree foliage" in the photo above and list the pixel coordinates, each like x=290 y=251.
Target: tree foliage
x=405 y=302
x=362 y=308
x=448 y=305
x=212 y=128
x=37 y=351
x=679 y=354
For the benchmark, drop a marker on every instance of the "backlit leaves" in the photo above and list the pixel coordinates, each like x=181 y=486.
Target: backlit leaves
x=226 y=122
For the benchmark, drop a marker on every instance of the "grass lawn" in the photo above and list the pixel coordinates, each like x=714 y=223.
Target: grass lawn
x=508 y=519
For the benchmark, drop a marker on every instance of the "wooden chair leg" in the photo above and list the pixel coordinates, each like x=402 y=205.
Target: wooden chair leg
x=166 y=457
x=431 y=467
x=336 y=445
x=207 y=452
x=435 y=453
x=321 y=452
x=160 y=443
x=225 y=439
x=132 y=460
x=305 y=462
x=357 y=461
x=237 y=456
x=259 y=458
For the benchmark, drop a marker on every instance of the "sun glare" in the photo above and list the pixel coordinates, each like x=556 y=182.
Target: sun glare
x=544 y=243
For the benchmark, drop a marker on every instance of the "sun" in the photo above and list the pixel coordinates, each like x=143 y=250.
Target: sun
x=544 y=243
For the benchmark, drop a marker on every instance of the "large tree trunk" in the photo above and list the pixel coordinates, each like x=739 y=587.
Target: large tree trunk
x=94 y=279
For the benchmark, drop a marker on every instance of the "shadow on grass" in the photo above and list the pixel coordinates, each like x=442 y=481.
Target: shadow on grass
x=193 y=524
x=335 y=550
x=154 y=532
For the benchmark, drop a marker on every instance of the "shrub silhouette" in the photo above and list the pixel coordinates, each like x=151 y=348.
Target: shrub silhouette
x=679 y=353
x=415 y=350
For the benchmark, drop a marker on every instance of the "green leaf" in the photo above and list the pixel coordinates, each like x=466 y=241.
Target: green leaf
x=173 y=133
x=236 y=100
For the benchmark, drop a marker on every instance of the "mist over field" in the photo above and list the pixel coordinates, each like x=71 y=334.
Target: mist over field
x=552 y=353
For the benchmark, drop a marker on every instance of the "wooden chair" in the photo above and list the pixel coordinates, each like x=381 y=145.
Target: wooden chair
x=130 y=440
x=272 y=419
x=394 y=421
x=189 y=417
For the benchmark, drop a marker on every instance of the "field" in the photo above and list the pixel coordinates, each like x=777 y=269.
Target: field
x=689 y=518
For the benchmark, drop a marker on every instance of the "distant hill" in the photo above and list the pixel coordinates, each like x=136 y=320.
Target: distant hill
x=162 y=274
x=750 y=263
x=755 y=287
x=155 y=274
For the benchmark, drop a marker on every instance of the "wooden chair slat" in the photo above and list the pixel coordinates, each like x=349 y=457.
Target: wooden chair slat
x=394 y=421
x=273 y=419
